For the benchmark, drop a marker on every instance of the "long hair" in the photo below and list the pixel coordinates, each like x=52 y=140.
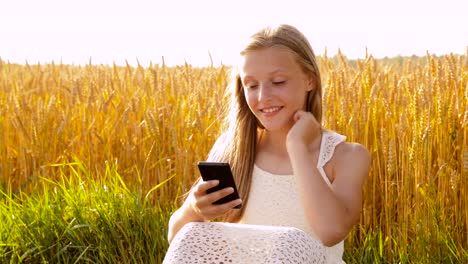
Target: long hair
x=238 y=143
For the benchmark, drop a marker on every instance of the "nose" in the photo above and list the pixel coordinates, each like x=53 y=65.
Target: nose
x=264 y=92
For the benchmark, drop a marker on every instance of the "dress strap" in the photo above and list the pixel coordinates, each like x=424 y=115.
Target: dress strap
x=327 y=147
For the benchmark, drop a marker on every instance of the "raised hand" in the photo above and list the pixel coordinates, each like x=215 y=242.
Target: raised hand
x=305 y=129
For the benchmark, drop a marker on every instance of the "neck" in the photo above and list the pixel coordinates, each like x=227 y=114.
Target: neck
x=274 y=142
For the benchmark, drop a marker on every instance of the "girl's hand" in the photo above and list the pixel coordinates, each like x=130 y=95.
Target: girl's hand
x=202 y=202
x=305 y=129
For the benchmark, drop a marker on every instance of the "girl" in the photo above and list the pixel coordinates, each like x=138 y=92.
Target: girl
x=289 y=170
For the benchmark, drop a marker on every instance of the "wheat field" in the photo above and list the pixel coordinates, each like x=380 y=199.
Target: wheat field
x=133 y=135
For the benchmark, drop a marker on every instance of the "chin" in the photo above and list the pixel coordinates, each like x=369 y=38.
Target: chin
x=277 y=124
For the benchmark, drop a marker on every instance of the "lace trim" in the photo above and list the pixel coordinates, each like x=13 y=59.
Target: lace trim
x=329 y=142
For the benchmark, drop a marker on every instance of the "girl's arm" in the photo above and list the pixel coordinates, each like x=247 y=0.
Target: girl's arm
x=331 y=212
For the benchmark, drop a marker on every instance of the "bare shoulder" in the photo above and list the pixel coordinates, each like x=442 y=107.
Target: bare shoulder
x=353 y=151
x=350 y=157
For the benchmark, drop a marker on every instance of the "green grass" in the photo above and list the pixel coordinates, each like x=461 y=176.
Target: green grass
x=420 y=250
x=79 y=219
x=85 y=219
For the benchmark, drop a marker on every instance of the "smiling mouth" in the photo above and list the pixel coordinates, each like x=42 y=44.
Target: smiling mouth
x=270 y=110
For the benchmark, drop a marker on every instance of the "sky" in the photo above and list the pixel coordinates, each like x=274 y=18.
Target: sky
x=198 y=32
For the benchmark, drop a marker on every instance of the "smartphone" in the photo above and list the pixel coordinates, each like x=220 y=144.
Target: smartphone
x=219 y=171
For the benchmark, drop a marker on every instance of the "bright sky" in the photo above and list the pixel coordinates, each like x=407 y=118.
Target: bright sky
x=73 y=31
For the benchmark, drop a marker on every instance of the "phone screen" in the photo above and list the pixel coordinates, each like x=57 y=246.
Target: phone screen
x=219 y=171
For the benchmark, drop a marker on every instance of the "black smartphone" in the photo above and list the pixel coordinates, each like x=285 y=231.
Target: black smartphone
x=219 y=171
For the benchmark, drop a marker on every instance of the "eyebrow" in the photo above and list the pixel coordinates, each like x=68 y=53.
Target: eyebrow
x=271 y=73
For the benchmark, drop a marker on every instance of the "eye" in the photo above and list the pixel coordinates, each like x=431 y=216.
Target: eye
x=251 y=86
x=279 y=82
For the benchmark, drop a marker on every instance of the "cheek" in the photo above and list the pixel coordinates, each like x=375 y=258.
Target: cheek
x=296 y=99
x=250 y=98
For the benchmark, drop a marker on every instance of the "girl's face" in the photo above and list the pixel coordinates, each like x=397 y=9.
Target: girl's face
x=275 y=86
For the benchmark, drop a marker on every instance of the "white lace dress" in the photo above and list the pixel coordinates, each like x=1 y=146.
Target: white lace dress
x=273 y=228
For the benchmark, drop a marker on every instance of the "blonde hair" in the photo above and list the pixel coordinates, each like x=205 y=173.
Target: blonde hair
x=238 y=143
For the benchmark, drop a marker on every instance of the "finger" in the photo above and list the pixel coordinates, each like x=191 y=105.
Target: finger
x=201 y=188
x=298 y=115
x=229 y=205
x=221 y=209
x=304 y=115
x=215 y=196
x=204 y=200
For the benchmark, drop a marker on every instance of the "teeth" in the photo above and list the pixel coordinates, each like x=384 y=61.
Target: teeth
x=271 y=110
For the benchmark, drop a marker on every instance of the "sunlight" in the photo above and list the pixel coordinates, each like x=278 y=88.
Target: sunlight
x=179 y=31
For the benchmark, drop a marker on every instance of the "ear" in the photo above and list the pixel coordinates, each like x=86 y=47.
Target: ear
x=310 y=84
